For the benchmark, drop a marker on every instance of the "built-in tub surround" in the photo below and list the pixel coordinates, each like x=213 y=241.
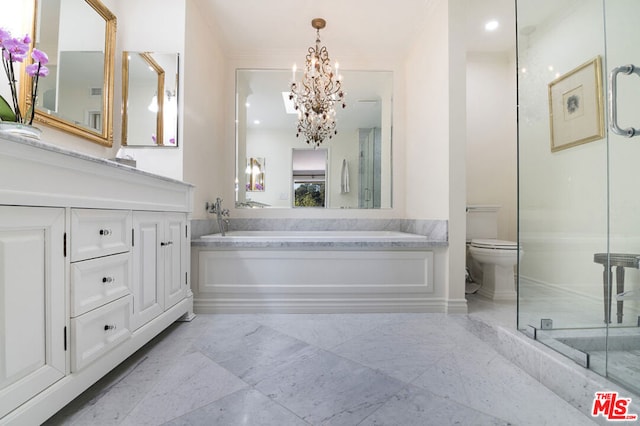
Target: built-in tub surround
x=318 y=266
x=435 y=230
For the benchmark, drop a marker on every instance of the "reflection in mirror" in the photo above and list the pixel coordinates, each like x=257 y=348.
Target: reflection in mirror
x=267 y=129
x=150 y=99
x=79 y=38
x=255 y=174
x=309 y=176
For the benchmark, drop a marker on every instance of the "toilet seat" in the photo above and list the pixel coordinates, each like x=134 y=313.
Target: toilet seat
x=494 y=244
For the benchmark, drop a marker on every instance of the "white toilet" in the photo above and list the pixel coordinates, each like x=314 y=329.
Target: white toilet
x=496 y=258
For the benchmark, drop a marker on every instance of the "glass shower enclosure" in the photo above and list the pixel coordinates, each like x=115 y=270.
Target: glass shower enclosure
x=579 y=181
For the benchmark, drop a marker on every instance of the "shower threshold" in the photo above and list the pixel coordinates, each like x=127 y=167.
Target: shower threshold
x=616 y=356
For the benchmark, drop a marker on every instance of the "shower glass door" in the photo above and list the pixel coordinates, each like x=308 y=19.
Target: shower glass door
x=578 y=202
x=623 y=48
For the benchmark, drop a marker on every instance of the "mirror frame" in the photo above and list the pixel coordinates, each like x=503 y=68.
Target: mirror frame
x=105 y=137
x=146 y=56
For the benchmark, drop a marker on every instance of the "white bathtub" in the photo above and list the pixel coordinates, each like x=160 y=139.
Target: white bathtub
x=313 y=271
x=298 y=236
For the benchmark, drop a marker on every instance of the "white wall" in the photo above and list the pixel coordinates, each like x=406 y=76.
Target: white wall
x=492 y=156
x=427 y=135
x=435 y=139
x=203 y=117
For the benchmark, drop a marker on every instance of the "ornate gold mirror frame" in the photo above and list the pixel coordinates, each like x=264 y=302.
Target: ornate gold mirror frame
x=99 y=128
x=159 y=97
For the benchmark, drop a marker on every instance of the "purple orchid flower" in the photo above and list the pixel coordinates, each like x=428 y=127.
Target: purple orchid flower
x=40 y=56
x=37 y=69
x=4 y=35
x=16 y=50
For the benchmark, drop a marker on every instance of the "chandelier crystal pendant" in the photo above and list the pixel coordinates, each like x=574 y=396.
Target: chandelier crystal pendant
x=314 y=97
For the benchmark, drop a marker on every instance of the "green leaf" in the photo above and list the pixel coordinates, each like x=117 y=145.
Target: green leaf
x=6 y=113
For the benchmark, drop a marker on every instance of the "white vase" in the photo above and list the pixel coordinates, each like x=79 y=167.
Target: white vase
x=19 y=129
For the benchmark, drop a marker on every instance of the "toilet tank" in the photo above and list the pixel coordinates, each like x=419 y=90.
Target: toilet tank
x=482 y=221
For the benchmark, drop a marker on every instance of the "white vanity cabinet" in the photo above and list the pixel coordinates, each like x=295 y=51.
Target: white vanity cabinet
x=70 y=303
x=32 y=302
x=160 y=244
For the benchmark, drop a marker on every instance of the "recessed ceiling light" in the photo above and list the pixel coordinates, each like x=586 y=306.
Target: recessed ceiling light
x=256 y=122
x=491 y=25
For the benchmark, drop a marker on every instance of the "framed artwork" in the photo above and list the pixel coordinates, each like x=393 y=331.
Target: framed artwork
x=255 y=174
x=576 y=111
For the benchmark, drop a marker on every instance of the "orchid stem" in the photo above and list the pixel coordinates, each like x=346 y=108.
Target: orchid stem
x=34 y=92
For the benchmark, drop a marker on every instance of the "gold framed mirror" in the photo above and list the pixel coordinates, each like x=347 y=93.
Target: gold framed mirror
x=150 y=99
x=79 y=37
x=142 y=85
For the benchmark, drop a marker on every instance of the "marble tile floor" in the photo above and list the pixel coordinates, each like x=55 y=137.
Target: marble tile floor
x=317 y=369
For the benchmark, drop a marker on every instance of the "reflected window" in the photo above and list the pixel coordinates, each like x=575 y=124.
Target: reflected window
x=309 y=177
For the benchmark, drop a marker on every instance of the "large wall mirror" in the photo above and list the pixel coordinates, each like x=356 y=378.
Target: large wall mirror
x=77 y=96
x=352 y=170
x=150 y=99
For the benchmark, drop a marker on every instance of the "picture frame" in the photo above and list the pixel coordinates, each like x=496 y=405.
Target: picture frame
x=255 y=172
x=576 y=109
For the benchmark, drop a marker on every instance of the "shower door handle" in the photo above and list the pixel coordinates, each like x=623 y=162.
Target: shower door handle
x=613 y=100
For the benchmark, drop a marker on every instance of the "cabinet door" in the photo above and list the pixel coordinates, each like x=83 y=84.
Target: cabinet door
x=32 y=302
x=148 y=295
x=175 y=284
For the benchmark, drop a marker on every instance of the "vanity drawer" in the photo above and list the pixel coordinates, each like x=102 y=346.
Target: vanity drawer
x=97 y=282
x=96 y=233
x=98 y=331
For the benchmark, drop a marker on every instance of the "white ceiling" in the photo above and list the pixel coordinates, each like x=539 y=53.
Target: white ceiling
x=354 y=27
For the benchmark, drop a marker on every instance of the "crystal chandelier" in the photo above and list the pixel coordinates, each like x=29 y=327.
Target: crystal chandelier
x=314 y=97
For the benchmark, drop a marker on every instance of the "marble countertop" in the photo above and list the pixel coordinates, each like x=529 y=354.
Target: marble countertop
x=425 y=234
x=320 y=244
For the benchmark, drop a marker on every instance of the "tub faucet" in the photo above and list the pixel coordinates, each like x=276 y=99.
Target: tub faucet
x=216 y=208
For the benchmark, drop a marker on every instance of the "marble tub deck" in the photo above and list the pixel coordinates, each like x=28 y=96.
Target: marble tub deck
x=338 y=369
